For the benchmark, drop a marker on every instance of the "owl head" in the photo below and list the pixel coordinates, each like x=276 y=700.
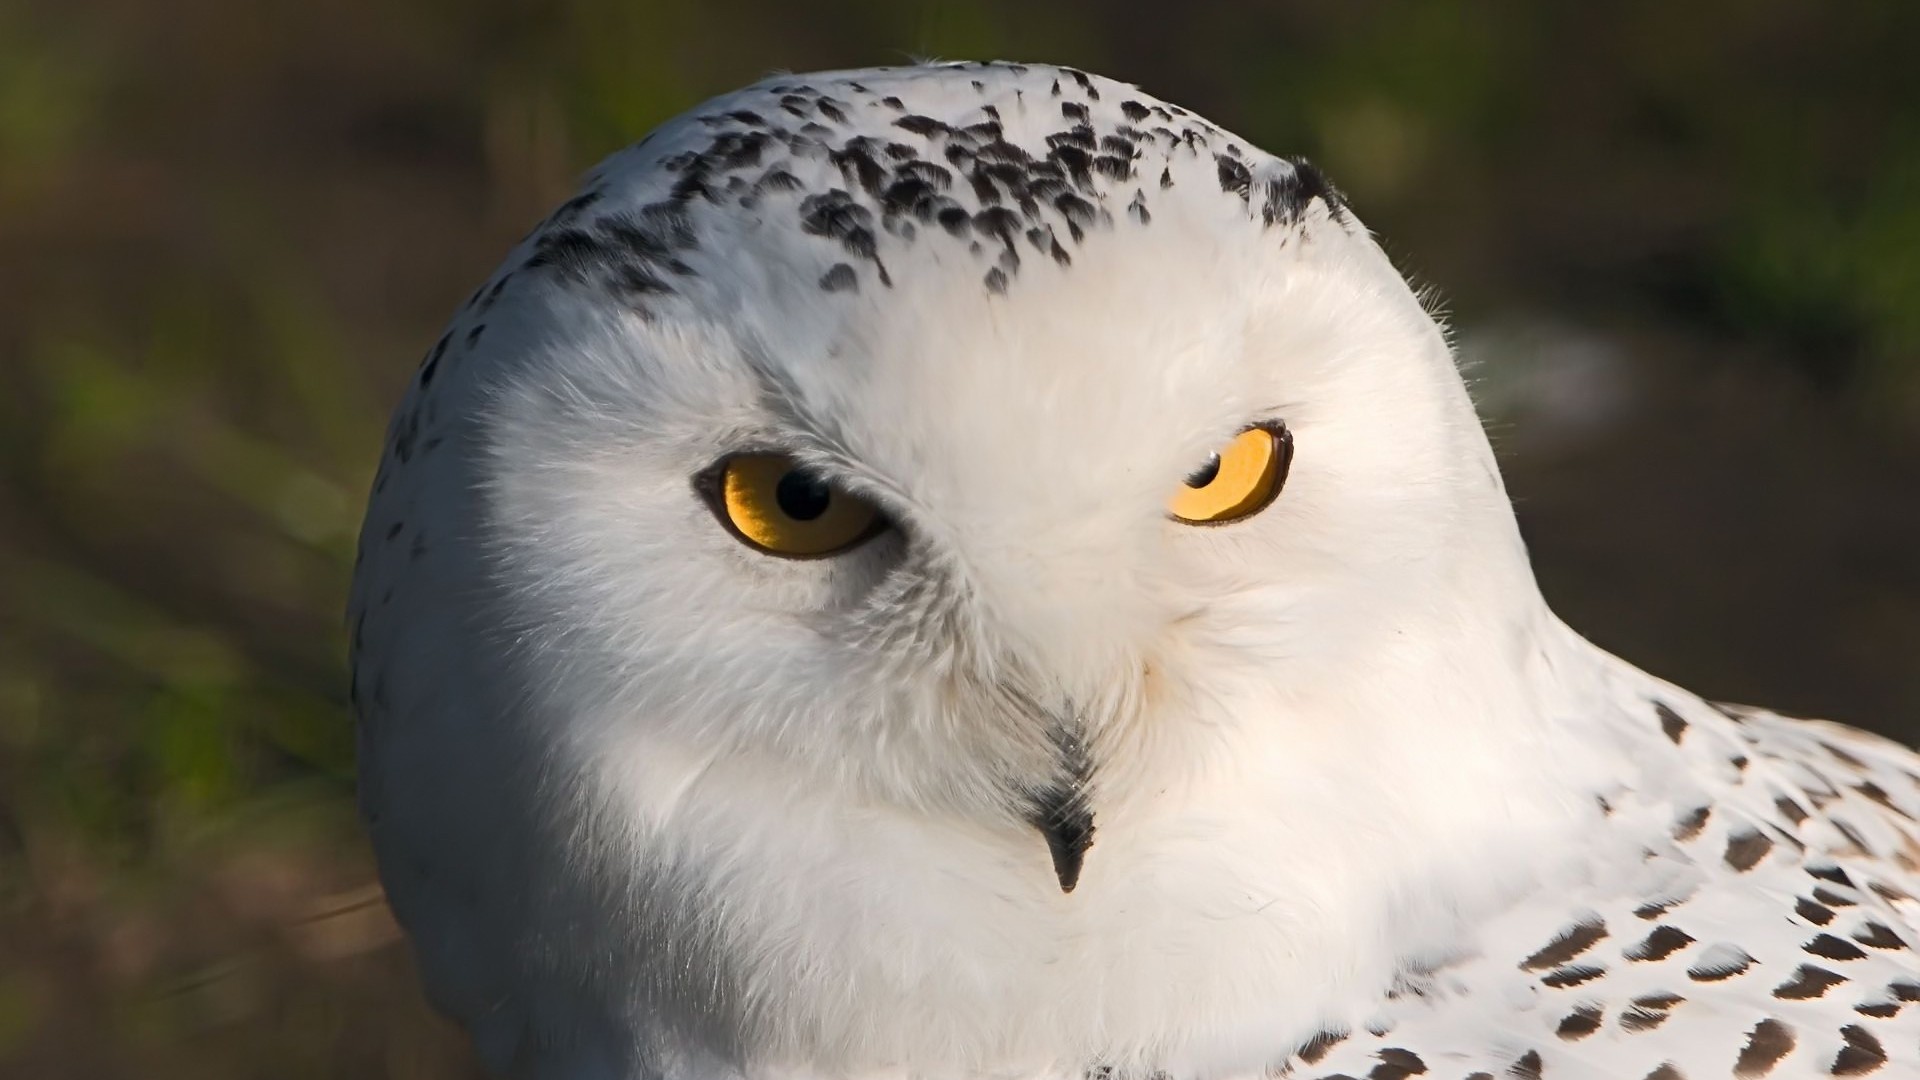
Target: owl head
x=938 y=493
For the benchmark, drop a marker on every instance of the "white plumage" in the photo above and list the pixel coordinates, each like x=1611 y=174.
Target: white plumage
x=654 y=801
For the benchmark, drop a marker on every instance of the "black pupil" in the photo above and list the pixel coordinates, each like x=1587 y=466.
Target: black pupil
x=802 y=495
x=1204 y=475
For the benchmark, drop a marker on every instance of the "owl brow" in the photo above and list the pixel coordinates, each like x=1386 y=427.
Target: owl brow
x=814 y=435
x=1268 y=414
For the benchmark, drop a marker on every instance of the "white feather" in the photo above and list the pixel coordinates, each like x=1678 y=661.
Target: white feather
x=652 y=803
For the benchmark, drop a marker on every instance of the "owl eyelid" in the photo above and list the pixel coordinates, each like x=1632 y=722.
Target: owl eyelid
x=708 y=482
x=1272 y=424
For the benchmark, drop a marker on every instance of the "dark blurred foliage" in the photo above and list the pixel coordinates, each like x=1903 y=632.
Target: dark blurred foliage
x=1677 y=243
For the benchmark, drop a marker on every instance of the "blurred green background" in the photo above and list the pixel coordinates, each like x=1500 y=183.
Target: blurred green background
x=1680 y=245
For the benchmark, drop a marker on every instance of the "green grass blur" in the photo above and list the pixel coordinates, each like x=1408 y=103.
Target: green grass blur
x=228 y=229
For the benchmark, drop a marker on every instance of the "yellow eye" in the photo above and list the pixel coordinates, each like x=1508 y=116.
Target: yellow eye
x=1237 y=482
x=783 y=508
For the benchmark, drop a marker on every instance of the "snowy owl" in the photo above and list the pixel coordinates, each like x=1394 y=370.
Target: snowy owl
x=970 y=570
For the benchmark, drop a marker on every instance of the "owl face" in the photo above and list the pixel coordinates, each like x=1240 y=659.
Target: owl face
x=965 y=547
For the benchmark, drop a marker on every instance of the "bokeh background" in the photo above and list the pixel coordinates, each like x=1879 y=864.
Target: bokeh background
x=1679 y=243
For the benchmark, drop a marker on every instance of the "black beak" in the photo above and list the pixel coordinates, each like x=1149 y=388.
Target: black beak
x=1060 y=810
